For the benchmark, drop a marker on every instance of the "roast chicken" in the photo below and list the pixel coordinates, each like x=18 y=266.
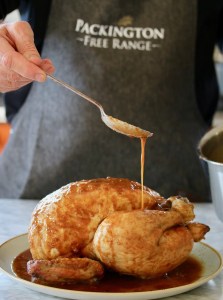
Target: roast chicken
x=90 y=226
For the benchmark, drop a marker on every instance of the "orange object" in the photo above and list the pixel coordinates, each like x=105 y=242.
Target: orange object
x=4 y=135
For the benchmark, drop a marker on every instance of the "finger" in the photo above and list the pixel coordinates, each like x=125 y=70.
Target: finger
x=47 y=66
x=23 y=37
x=14 y=61
x=7 y=86
x=11 y=76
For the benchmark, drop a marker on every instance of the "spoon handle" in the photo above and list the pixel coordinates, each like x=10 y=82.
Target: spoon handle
x=76 y=91
x=113 y=123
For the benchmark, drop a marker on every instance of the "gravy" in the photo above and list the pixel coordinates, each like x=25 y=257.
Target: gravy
x=186 y=273
x=143 y=144
x=216 y=154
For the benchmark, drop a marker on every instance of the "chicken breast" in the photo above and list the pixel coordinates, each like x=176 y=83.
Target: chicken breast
x=64 y=223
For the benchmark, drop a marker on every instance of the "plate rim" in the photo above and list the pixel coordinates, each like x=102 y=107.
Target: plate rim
x=54 y=291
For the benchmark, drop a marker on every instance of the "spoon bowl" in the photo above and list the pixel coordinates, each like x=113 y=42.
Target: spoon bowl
x=124 y=128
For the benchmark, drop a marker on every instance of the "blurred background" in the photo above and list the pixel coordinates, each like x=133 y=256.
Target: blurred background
x=218 y=118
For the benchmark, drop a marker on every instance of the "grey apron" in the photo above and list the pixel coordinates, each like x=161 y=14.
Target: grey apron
x=137 y=59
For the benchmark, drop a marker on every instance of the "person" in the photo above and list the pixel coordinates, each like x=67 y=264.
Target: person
x=148 y=63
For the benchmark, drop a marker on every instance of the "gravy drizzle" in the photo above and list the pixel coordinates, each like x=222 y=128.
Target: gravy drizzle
x=143 y=144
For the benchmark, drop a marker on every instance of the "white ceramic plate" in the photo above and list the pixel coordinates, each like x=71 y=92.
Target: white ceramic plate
x=210 y=259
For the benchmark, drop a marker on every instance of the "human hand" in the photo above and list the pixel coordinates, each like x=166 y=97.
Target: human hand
x=20 y=62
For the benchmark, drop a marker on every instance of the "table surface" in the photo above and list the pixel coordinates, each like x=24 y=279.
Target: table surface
x=14 y=220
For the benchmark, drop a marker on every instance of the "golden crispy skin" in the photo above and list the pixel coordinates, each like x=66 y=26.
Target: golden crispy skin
x=65 y=270
x=102 y=219
x=145 y=243
x=64 y=223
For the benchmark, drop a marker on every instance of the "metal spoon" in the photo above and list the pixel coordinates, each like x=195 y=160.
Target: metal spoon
x=113 y=123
